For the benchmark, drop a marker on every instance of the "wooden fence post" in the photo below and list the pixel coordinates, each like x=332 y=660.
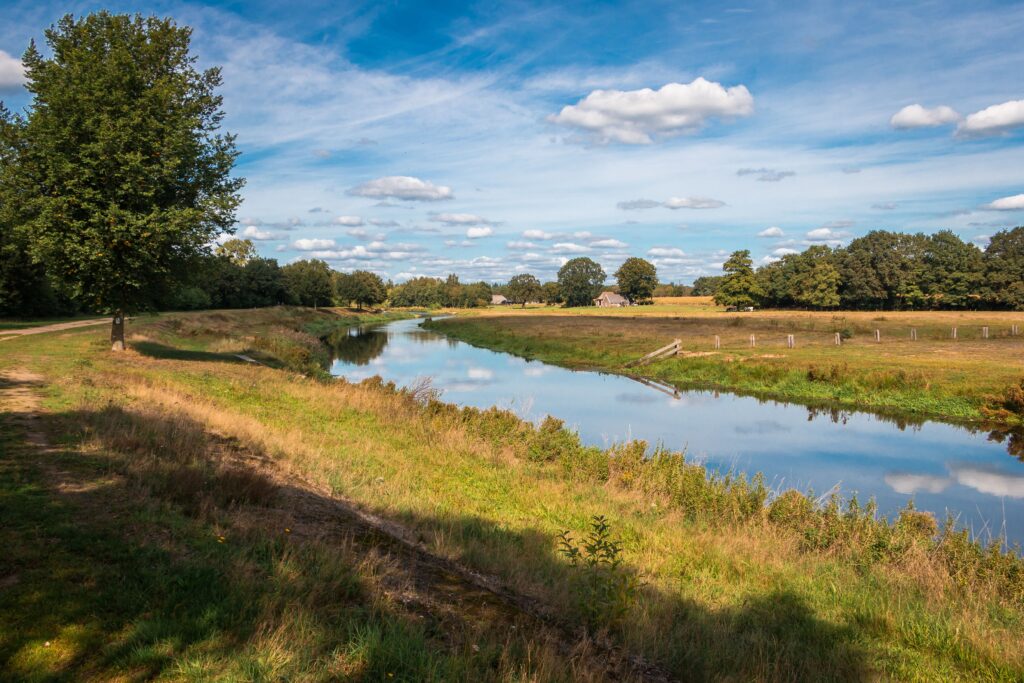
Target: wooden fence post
x=839 y=339
x=1013 y=331
x=718 y=342
x=790 y=342
x=913 y=334
x=984 y=332
x=878 y=336
x=954 y=333
x=753 y=341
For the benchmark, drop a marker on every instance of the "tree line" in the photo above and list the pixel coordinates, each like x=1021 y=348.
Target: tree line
x=882 y=270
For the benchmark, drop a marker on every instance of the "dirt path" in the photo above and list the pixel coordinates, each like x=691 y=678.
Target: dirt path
x=428 y=585
x=56 y=327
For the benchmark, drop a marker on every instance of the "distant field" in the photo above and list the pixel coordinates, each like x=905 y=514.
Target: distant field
x=936 y=375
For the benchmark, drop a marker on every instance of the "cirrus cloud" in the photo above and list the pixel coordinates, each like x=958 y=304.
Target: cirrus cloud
x=459 y=219
x=403 y=187
x=635 y=117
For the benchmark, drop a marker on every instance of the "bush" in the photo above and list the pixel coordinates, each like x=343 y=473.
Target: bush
x=834 y=374
x=1009 y=406
x=605 y=589
x=552 y=441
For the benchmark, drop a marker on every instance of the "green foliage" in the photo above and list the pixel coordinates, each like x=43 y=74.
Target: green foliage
x=740 y=287
x=707 y=285
x=429 y=292
x=580 y=280
x=1004 y=261
x=129 y=175
x=605 y=588
x=551 y=293
x=522 y=289
x=637 y=279
x=239 y=252
x=552 y=441
x=308 y=282
x=361 y=286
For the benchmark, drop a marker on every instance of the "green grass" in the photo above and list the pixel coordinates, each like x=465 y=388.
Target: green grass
x=23 y=323
x=731 y=589
x=934 y=377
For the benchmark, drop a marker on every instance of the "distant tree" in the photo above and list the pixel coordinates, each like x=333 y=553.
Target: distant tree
x=361 y=286
x=551 y=293
x=580 y=280
x=237 y=251
x=1004 y=274
x=425 y=292
x=637 y=279
x=522 y=289
x=883 y=270
x=816 y=282
x=706 y=285
x=131 y=178
x=262 y=284
x=954 y=271
x=308 y=282
x=739 y=287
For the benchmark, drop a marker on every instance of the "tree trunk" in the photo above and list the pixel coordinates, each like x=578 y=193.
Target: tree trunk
x=117 y=332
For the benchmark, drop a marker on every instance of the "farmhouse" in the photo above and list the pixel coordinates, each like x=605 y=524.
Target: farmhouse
x=611 y=300
x=498 y=300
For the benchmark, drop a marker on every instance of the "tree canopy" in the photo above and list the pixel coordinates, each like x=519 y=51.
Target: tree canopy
x=130 y=177
x=522 y=289
x=637 y=279
x=309 y=282
x=739 y=287
x=580 y=280
x=361 y=286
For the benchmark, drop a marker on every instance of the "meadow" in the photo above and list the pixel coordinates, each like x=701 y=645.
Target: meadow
x=969 y=378
x=174 y=512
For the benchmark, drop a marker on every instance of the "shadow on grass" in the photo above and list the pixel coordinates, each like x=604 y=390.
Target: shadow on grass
x=135 y=565
x=157 y=350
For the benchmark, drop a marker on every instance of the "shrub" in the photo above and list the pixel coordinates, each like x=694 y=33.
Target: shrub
x=834 y=374
x=1009 y=406
x=552 y=441
x=605 y=589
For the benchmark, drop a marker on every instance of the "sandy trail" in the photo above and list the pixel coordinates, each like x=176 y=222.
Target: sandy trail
x=56 y=327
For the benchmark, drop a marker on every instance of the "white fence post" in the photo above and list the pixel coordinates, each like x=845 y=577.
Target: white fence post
x=839 y=339
x=984 y=332
x=753 y=341
x=954 y=333
x=718 y=342
x=790 y=342
x=913 y=334
x=878 y=336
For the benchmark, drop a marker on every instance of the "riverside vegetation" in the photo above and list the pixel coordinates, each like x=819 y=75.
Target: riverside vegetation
x=166 y=515
x=967 y=379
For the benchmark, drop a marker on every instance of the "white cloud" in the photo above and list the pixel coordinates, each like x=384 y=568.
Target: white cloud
x=692 y=203
x=825 y=235
x=773 y=231
x=666 y=251
x=312 y=244
x=475 y=233
x=569 y=248
x=516 y=244
x=908 y=484
x=1014 y=203
x=916 y=116
x=991 y=482
x=609 y=244
x=537 y=235
x=403 y=187
x=783 y=251
x=634 y=116
x=12 y=72
x=251 y=232
x=358 y=233
x=998 y=118
x=459 y=219
x=351 y=221
x=637 y=204
x=766 y=175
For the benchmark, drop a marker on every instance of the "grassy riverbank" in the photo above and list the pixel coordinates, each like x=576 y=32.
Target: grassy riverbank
x=934 y=376
x=167 y=514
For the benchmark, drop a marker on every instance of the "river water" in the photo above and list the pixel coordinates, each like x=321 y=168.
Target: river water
x=942 y=467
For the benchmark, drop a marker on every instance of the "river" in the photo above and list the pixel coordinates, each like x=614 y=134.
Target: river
x=943 y=467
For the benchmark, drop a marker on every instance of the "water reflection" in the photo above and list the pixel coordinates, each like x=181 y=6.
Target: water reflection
x=943 y=467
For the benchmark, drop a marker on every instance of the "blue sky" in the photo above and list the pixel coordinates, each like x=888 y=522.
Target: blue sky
x=488 y=139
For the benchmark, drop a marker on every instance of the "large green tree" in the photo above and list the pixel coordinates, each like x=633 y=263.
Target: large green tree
x=816 y=281
x=580 y=280
x=308 y=282
x=739 y=287
x=1004 y=261
x=954 y=271
x=637 y=279
x=130 y=176
x=361 y=286
x=522 y=289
